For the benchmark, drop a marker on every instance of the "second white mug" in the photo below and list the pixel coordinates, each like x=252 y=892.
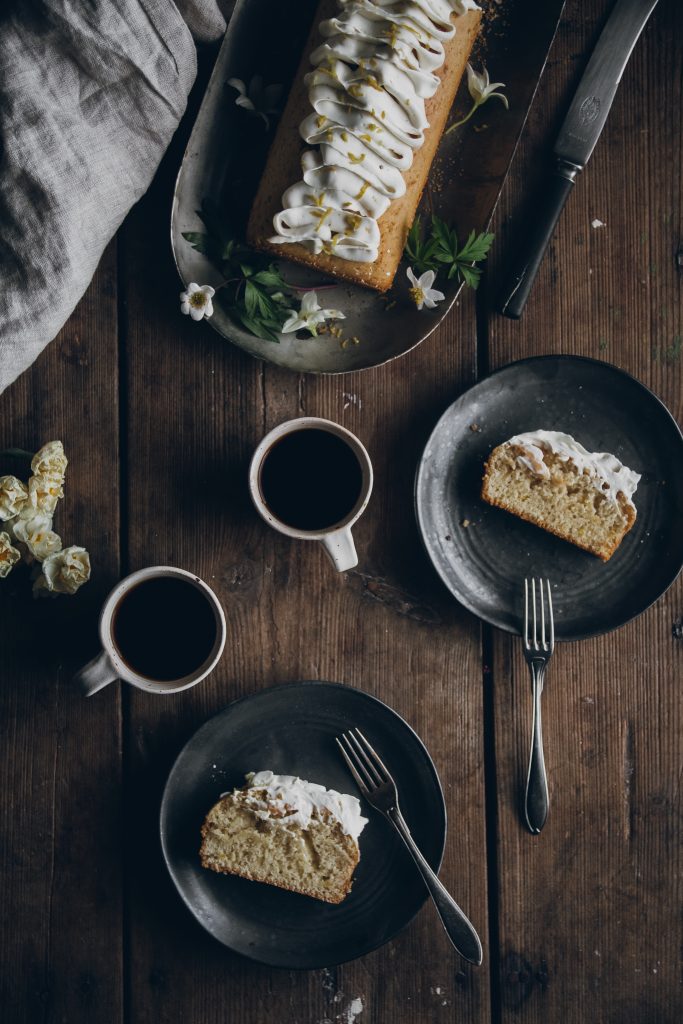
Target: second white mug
x=112 y=663
x=335 y=537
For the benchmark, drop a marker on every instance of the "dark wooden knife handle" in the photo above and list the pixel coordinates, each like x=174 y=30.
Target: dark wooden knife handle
x=530 y=254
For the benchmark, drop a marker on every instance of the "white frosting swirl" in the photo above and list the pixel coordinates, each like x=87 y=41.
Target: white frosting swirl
x=610 y=474
x=297 y=802
x=368 y=85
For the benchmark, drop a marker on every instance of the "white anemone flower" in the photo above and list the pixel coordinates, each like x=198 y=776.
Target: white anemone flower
x=257 y=99
x=310 y=316
x=196 y=300
x=422 y=292
x=38 y=536
x=13 y=497
x=50 y=460
x=9 y=556
x=64 y=572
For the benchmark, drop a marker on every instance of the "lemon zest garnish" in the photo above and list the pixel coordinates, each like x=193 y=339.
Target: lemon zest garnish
x=322 y=216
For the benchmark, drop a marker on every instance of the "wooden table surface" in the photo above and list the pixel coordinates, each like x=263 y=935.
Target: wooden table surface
x=159 y=417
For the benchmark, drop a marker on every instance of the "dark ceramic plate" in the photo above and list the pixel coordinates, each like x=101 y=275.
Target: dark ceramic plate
x=227 y=150
x=290 y=730
x=484 y=564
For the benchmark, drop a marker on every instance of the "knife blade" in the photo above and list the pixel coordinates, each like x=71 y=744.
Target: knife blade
x=577 y=139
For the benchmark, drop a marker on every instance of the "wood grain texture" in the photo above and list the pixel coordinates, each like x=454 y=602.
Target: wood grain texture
x=60 y=768
x=585 y=918
x=589 y=911
x=387 y=627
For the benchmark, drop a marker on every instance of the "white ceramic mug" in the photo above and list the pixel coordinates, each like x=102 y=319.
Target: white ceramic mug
x=109 y=665
x=336 y=540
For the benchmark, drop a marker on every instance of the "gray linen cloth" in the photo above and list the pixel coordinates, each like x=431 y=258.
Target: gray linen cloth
x=91 y=92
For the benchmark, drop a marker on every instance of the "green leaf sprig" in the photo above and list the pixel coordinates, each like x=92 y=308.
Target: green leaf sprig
x=438 y=249
x=253 y=292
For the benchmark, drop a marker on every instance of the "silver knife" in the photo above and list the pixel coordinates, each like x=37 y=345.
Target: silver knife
x=577 y=139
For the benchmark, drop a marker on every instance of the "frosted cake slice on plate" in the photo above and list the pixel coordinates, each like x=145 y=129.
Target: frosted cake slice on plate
x=287 y=832
x=549 y=479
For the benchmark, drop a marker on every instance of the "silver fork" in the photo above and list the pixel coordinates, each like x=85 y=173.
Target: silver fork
x=379 y=789
x=539 y=643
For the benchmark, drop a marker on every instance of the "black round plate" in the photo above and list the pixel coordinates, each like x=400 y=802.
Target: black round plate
x=290 y=730
x=484 y=562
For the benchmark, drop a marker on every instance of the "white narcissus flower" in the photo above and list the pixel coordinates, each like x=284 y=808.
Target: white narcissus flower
x=257 y=99
x=64 y=572
x=481 y=89
x=44 y=491
x=196 y=300
x=37 y=534
x=310 y=315
x=50 y=460
x=13 y=497
x=9 y=556
x=422 y=292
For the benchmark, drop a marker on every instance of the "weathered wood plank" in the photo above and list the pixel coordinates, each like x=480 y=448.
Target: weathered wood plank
x=60 y=773
x=589 y=912
x=197 y=409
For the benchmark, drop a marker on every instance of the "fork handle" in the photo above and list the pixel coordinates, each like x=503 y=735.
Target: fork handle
x=536 y=799
x=458 y=927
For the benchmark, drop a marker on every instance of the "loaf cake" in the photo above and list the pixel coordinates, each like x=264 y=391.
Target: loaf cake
x=359 y=132
x=549 y=479
x=286 y=832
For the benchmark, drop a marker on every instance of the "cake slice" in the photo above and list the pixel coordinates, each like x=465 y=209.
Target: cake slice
x=287 y=832
x=549 y=479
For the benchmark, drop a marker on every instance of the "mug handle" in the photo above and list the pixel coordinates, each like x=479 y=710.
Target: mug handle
x=97 y=674
x=340 y=549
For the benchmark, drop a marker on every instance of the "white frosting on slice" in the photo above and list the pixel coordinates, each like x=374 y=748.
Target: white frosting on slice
x=610 y=475
x=370 y=78
x=297 y=802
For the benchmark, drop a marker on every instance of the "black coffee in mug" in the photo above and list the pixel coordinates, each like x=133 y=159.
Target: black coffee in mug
x=164 y=628
x=311 y=479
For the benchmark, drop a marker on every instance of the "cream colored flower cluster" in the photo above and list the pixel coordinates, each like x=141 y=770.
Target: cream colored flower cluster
x=26 y=511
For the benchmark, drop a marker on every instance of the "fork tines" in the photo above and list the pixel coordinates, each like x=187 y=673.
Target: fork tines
x=363 y=761
x=541 y=599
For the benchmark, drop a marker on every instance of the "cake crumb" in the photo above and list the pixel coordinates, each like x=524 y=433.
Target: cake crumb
x=475 y=428
x=465 y=523
x=351 y=399
x=598 y=223
x=353 y=1010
